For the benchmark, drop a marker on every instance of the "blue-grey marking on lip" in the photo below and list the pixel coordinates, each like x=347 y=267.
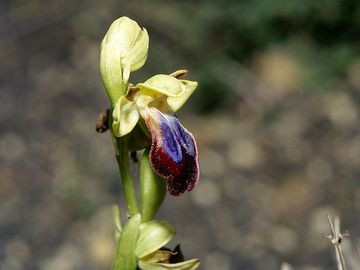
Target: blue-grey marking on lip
x=173 y=153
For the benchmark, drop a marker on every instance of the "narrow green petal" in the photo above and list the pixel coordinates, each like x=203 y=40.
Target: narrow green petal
x=163 y=84
x=125 y=117
x=125 y=254
x=175 y=103
x=186 y=265
x=153 y=235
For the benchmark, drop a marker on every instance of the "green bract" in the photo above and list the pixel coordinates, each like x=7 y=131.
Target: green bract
x=153 y=235
x=140 y=245
x=123 y=49
x=125 y=253
x=164 y=92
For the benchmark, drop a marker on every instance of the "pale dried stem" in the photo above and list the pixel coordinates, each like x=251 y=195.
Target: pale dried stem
x=336 y=238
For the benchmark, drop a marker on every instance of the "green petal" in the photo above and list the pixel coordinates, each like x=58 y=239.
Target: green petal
x=125 y=117
x=153 y=235
x=186 y=265
x=163 y=84
x=125 y=253
x=175 y=103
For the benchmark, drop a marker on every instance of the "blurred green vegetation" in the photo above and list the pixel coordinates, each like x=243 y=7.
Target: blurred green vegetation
x=322 y=35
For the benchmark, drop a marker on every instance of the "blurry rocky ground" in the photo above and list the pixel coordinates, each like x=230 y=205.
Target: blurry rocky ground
x=276 y=119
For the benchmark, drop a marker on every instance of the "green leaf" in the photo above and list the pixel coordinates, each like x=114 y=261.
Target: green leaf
x=186 y=265
x=153 y=235
x=152 y=188
x=125 y=254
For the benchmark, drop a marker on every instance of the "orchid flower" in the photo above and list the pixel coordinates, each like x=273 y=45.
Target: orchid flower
x=173 y=152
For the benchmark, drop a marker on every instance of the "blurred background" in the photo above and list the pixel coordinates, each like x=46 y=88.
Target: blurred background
x=276 y=118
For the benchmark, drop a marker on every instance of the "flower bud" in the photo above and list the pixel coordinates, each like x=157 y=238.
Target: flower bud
x=123 y=49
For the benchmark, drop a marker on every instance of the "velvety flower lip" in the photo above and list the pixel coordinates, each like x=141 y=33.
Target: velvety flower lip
x=173 y=152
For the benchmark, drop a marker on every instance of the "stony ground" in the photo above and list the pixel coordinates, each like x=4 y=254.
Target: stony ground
x=276 y=157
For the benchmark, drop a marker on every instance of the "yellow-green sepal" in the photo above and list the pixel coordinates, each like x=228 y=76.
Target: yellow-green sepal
x=125 y=116
x=162 y=84
x=152 y=189
x=153 y=235
x=175 y=103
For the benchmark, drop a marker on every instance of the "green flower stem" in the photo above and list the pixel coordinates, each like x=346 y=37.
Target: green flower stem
x=122 y=157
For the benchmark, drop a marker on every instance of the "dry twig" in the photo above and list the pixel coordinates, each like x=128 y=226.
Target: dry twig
x=336 y=239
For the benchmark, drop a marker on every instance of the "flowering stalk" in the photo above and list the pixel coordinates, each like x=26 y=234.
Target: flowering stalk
x=122 y=157
x=141 y=118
